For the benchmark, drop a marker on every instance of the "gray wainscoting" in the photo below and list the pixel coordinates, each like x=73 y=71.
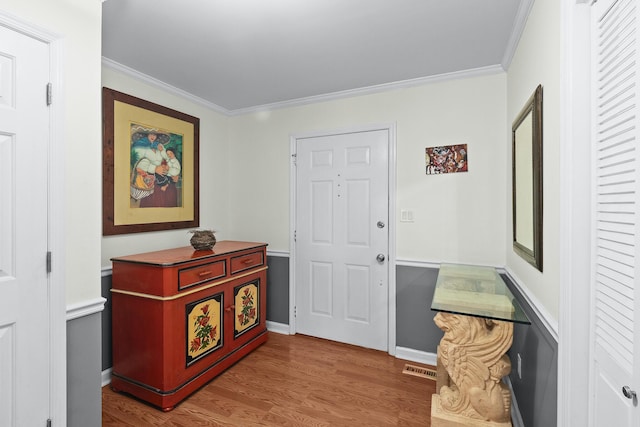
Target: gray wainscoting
x=84 y=398
x=278 y=289
x=536 y=392
x=414 y=319
x=414 y=289
x=107 y=362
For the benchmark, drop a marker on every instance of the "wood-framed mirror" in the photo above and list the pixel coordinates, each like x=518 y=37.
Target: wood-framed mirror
x=527 y=180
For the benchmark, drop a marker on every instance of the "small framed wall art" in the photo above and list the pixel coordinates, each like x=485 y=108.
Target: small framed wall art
x=447 y=159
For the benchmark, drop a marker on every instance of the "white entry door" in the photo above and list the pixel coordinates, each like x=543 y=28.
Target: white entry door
x=24 y=309
x=342 y=210
x=615 y=366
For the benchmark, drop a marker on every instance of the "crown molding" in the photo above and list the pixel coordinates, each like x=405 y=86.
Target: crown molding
x=385 y=87
x=108 y=63
x=516 y=32
x=403 y=84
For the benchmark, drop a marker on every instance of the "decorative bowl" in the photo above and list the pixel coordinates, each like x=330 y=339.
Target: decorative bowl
x=202 y=240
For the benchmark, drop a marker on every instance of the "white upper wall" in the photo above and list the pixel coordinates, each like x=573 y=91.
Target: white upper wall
x=537 y=61
x=458 y=217
x=214 y=172
x=78 y=23
x=244 y=173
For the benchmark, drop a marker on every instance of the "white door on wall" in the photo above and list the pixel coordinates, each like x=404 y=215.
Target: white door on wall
x=342 y=239
x=24 y=302
x=615 y=368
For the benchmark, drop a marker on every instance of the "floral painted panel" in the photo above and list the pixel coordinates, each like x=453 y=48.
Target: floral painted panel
x=446 y=159
x=204 y=327
x=246 y=299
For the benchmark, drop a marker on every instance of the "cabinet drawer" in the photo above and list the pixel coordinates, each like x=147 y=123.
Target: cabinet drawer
x=191 y=276
x=247 y=261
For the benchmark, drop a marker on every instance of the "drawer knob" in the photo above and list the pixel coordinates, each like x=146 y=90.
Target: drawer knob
x=204 y=273
x=248 y=261
x=231 y=307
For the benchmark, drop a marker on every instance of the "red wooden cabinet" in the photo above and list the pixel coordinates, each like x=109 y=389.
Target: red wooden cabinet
x=181 y=317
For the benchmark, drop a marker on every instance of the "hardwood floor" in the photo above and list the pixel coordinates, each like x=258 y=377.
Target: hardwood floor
x=293 y=381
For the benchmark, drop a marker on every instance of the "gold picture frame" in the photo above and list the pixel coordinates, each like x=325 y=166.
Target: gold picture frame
x=150 y=166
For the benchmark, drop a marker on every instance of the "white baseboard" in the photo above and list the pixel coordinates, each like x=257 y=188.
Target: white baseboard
x=106 y=377
x=278 y=328
x=416 y=356
x=401 y=352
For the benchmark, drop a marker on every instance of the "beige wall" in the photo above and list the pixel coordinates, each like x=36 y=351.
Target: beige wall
x=458 y=217
x=214 y=171
x=245 y=167
x=78 y=24
x=537 y=61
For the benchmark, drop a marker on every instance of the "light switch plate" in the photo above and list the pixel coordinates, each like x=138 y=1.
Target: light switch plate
x=406 y=215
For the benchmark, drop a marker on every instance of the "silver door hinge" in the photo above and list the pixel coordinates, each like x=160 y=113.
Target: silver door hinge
x=295 y=235
x=49 y=422
x=49 y=93
x=49 y=262
x=294 y=159
x=295 y=311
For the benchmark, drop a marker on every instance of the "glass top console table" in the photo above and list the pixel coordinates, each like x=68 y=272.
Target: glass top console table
x=476 y=312
x=475 y=291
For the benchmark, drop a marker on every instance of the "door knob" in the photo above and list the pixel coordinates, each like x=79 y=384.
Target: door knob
x=628 y=393
x=380 y=224
x=380 y=257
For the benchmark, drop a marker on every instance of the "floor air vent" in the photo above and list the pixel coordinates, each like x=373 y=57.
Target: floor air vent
x=419 y=371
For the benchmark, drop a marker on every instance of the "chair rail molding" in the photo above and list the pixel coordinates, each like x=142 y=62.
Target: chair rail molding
x=545 y=317
x=85 y=308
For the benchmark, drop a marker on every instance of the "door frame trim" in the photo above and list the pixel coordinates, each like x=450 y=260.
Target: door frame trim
x=574 y=372
x=56 y=220
x=391 y=250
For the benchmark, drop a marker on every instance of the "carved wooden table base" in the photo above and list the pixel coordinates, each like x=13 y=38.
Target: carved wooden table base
x=471 y=364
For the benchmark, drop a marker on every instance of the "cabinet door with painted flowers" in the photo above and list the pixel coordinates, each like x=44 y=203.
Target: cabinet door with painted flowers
x=249 y=310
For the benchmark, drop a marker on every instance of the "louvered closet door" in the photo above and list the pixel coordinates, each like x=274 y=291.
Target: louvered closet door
x=616 y=359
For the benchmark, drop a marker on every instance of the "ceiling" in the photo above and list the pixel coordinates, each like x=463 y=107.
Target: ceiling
x=241 y=55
